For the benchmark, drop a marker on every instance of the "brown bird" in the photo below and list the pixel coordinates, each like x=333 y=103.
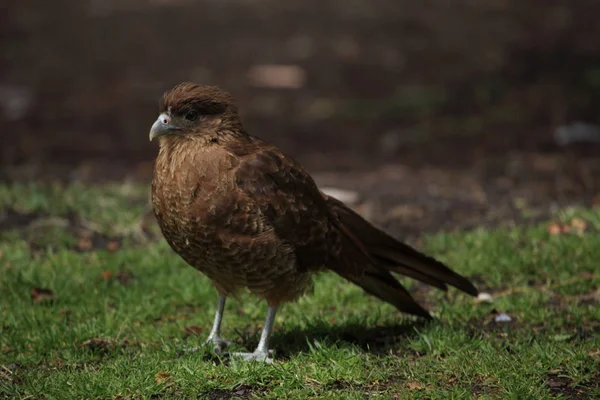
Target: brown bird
x=250 y=217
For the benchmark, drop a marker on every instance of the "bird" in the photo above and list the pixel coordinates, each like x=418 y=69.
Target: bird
x=251 y=218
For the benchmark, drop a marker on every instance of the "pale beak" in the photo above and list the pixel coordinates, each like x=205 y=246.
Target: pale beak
x=162 y=126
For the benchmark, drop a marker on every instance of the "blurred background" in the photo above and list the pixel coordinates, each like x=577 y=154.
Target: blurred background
x=460 y=103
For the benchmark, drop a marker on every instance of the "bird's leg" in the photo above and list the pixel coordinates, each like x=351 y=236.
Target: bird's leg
x=214 y=336
x=262 y=350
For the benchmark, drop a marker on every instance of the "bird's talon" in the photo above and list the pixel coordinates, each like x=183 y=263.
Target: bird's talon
x=219 y=344
x=256 y=356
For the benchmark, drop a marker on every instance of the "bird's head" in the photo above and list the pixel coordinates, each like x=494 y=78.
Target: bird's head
x=191 y=109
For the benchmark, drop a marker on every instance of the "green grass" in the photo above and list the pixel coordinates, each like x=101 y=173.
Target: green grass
x=116 y=321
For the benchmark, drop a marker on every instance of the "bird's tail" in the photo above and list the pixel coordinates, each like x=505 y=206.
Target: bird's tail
x=369 y=255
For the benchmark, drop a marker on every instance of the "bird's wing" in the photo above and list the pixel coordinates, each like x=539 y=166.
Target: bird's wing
x=289 y=200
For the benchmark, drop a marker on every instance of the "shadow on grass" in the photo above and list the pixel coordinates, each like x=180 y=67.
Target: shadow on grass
x=377 y=340
x=373 y=339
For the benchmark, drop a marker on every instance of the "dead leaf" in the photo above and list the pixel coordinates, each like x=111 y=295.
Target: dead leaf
x=594 y=353
x=106 y=274
x=162 y=377
x=558 y=228
x=578 y=225
x=414 y=385
x=553 y=229
x=84 y=243
x=113 y=246
x=40 y=295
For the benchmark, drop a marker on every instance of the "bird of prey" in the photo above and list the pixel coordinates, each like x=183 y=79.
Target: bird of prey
x=250 y=217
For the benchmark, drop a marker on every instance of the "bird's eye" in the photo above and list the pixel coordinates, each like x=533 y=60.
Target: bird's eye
x=191 y=115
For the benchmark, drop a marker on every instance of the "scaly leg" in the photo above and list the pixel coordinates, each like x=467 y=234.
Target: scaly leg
x=215 y=333
x=262 y=350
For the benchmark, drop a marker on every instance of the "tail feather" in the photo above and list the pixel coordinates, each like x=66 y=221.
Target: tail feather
x=404 y=259
x=384 y=286
x=369 y=255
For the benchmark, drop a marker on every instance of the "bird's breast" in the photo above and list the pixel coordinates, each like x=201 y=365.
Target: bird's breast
x=187 y=190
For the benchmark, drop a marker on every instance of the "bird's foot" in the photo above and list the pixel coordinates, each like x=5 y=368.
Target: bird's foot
x=258 y=355
x=219 y=344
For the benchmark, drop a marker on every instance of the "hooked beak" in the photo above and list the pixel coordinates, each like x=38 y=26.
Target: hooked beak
x=162 y=126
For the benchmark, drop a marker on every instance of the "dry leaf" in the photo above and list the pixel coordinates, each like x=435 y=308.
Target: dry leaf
x=553 y=229
x=106 y=274
x=162 y=377
x=414 y=385
x=84 y=243
x=39 y=295
x=113 y=246
x=578 y=225
x=558 y=228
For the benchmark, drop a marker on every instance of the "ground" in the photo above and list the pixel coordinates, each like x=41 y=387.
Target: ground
x=96 y=305
x=440 y=116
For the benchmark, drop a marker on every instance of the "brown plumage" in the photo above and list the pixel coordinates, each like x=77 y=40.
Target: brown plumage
x=250 y=217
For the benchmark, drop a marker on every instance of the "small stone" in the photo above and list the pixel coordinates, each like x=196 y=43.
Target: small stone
x=484 y=297
x=502 y=317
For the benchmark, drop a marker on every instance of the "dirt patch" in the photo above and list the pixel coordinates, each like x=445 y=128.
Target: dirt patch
x=241 y=392
x=9 y=375
x=519 y=188
x=13 y=219
x=43 y=231
x=467 y=144
x=378 y=75
x=105 y=345
x=369 y=388
x=560 y=384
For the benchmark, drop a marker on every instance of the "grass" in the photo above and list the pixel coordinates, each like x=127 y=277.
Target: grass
x=112 y=323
